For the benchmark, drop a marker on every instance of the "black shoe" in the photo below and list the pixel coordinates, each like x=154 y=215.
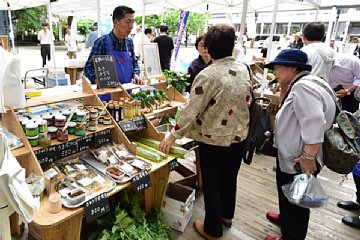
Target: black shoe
x=353 y=221
x=349 y=205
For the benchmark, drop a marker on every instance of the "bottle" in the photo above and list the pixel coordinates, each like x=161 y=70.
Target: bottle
x=117 y=113
x=111 y=109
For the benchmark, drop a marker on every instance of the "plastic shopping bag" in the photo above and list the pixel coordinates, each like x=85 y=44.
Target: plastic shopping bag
x=305 y=192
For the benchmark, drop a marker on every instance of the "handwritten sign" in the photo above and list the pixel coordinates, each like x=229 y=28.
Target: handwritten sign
x=136 y=124
x=101 y=138
x=105 y=70
x=173 y=164
x=56 y=152
x=141 y=181
x=96 y=207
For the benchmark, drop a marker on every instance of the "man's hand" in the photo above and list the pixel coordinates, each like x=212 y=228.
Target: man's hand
x=137 y=80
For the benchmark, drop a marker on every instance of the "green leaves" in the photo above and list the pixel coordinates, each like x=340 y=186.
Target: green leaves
x=177 y=80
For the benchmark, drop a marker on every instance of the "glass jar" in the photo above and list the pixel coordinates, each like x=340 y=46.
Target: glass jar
x=66 y=113
x=138 y=108
x=32 y=129
x=107 y=120
x=62 y=135
x=116 y=113
x=101 y=120
x=71 y=127
x=42 y=125
x=92 y=126
x=49 y=119
x=33 y=140
x=52 y=132
x=60 y=121
x=80 y=115
x=45 y=140
x=94 y=114
x=24 y=121
x=80 y=129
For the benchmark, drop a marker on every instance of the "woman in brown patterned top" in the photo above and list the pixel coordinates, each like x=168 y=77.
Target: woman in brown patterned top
x=217 y=117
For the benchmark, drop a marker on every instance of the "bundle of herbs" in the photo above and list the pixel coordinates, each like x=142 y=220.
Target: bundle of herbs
x=177 y=80
x=128 y=221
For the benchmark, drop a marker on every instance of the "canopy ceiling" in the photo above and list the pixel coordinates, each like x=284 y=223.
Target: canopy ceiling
x=20 y=4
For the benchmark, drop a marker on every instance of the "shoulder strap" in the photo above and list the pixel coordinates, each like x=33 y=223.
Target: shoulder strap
x=291 y=85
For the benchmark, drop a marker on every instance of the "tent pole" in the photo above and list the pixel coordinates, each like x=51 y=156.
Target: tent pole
x=52 y=46
x=11 y=31
x=98 y=12
x=243 y=23
x=264 y=81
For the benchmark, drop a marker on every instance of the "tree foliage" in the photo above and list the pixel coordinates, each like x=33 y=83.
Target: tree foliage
x=29 y=19
x=195 y=23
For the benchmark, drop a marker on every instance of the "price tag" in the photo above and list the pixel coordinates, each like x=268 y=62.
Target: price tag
x=101 y=138
x=141 y=181
x=140 y=123
x=67 y=148
x=85 y=142
x=47 y=155
x=96 y=207
x=173 y=164
x=105 y=70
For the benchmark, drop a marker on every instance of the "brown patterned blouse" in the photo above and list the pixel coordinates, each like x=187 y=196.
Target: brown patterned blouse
x=217 y=112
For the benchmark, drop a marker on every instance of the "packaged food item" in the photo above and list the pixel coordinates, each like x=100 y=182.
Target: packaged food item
x=60 y=121
x=80 y=129
x=92 y=126
x=45 y=140
x=75 y=197
x=34 y=140
x=107 y=120
x=66 y=113
x=49 y=119
x=115 y=173
x=62 y=135
x=52 y=132
x=94 y=114
x=42 y=125
x=55 y=203
x=71 y=127
x=32 y=129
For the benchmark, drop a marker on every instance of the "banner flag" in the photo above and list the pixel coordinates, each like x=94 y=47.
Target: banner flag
x=180 y=30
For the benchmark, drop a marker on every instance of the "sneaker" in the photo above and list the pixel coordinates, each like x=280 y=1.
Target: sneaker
x=273 y=217
x=269 y=237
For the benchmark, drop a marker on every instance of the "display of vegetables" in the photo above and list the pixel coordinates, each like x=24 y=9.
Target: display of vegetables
x=152 y=99
x=177 y=80
x=175 y=151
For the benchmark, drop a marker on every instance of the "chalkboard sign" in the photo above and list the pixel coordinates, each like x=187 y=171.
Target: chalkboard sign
x=56 y=152
x=101 y=138
x=141 y=181
x=173 y=164
x=105 y=70
x=96 y=207
x=136 y=124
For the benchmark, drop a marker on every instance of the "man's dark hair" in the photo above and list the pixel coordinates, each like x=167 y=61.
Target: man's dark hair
x=314 y=31
x=120 y=11
x=164 y=28
x=199 y=39
x=220 y=41
x=147 y=31
x=45 y=24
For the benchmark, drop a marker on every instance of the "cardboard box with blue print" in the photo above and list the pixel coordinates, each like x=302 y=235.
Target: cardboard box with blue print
x=177 y=205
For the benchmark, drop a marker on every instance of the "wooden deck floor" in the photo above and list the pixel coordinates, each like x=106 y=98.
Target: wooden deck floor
x=257 y=194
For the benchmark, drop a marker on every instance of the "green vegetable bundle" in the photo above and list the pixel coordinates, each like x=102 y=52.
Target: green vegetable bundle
x=175 y=151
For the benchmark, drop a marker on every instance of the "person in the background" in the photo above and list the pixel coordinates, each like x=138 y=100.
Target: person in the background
x=200 y=62
x=71 y=43
x=119 y=45
x=320 y=55
x=90 y=39
x=264 y=47
x=307 y=111
x=297 y=43
x=148 y=32
x=217 y=117
x=45 y=37
x=139 y=39
x=345 y=78
x=166 y=47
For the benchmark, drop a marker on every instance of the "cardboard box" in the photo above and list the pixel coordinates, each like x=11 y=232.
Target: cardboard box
x=177 y=205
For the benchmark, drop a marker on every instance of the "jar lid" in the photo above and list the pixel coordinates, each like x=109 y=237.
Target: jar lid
x=66 y=112
x=71 y=124
x=33 y=138
x=52 y=129
x=54 y=112
x=41 y=121
x=81 y=113
x=47 y=116
x=60 y=117
x=24 y=121
x=31 y=124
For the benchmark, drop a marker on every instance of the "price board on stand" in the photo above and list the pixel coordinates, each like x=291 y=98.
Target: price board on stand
x=141 y=181
x=135 y=124
x=96 y=207
x=105 y=70
x=101 y=138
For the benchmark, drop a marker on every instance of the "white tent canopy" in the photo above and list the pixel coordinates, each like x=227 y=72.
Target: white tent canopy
x=20 y=4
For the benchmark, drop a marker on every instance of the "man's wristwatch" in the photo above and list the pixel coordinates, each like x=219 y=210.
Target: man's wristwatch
x=347 y=91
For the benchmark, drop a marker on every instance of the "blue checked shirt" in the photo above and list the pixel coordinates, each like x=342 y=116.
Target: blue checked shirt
x=101 y=48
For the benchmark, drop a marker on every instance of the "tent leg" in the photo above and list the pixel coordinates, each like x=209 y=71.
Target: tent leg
x=5 y=222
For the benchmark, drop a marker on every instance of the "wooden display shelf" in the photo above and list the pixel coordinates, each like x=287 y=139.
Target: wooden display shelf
x=18 y=152
x=175 y=104
x=103 y=91
x=37 y=101
x=99 y=128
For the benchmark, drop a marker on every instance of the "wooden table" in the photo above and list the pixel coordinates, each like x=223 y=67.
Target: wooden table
x=73 y=71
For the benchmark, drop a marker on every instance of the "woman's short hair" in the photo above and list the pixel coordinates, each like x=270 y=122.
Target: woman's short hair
x=220 y=41
x=199 y=39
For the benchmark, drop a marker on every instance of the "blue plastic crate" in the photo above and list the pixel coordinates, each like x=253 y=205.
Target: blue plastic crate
x=61 y=82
